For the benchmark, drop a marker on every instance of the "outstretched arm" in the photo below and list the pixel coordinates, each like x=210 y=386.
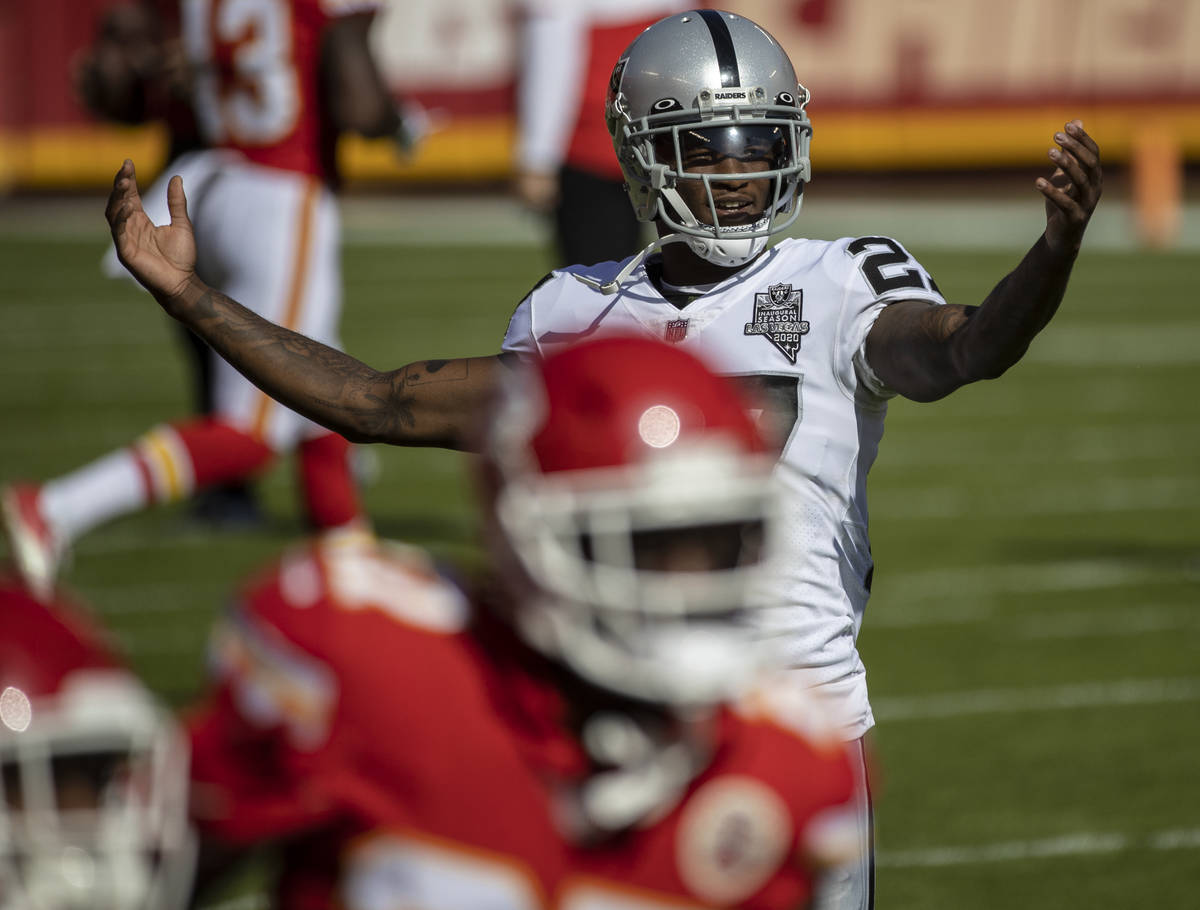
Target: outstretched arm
x=925 y=352
x=428 y=403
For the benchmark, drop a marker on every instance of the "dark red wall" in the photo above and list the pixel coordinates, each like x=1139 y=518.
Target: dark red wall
x=38 y=39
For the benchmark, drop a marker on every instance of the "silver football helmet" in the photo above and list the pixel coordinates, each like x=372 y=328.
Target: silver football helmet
x=703 y=86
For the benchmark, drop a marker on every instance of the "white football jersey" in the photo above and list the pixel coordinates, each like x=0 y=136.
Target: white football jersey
x=794 y=325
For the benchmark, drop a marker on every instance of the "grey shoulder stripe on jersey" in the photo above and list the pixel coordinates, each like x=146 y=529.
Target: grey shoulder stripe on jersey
x=573 y=337
x=723 y=44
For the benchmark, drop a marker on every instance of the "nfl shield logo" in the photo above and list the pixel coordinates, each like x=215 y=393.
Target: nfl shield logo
x=777 y=318
x=676 y=331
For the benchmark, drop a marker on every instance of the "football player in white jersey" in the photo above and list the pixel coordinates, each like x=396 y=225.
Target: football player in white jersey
x=709 y=124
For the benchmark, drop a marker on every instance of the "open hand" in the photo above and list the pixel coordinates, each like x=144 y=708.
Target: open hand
x=1073 y=190
x=161 y=258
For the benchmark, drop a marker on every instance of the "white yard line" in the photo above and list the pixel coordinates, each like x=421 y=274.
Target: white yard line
x=912 y=589
x=1101 y=622
x=1157 y=493
x=1081 y=844
x=1115 y=622
x=902 y=708
x=1132 y=440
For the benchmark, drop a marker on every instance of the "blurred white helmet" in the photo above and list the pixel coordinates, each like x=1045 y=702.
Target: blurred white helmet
x=93 y=789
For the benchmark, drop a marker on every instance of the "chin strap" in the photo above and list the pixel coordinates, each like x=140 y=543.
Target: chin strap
x=688 y=220
x=614 y=284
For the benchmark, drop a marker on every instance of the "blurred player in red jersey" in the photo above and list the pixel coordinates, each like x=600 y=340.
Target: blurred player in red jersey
x=565 y=163
x=590 y=732
x=273 y=85
x=135 y=71
x=93 y=789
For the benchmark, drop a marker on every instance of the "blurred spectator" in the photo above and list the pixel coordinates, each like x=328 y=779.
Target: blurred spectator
x=566 y=167
x=273 y=85
x=93 y=794
x=568 y=735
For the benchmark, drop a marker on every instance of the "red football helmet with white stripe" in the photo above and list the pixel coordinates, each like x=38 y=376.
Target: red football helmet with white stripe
x=630 y=492
x=93 y=772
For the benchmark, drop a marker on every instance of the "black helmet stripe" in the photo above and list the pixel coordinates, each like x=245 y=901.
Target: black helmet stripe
x=723 y=43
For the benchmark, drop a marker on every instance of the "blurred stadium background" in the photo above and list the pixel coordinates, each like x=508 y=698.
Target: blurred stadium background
x=1033 y=642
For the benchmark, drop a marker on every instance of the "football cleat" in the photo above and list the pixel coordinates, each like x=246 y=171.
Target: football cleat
x=33 y=547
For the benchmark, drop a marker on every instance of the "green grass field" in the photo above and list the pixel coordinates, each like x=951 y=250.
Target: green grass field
x=1033 y=643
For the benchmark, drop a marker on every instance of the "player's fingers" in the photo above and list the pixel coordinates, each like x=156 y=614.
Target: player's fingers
x=177 y=201
x=1069 y=167
x=1082 y=149
x=1075 y=129
x=1072 y=141
x=124 y=200
x=1061 y=198
x=1079 y=156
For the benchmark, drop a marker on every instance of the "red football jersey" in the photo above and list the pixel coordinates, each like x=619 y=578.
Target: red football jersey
x=358 y=715
x=257 y=83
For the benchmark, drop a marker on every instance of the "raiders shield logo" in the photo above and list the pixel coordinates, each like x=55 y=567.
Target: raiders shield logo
x=676 y=331
x=777 y=317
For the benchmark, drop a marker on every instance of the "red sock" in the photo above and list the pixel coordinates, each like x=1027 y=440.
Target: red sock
x=329 y=487
x=220 y=452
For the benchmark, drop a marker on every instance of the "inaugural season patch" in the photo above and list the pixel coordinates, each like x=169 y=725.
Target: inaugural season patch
x=777 y=317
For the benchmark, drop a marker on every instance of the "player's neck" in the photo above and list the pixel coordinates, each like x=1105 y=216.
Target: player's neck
x=683 y=268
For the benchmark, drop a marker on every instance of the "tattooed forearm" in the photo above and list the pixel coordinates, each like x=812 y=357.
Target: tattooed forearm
x=314 y=379
x=432 y=402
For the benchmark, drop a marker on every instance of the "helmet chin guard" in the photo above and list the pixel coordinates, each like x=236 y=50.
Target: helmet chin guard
x=729 y=247
x=691 y=73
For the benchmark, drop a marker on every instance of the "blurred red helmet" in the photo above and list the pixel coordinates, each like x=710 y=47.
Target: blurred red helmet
x=93 y=771
x=630 y=492
x=622 y=401
x=43 y=644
